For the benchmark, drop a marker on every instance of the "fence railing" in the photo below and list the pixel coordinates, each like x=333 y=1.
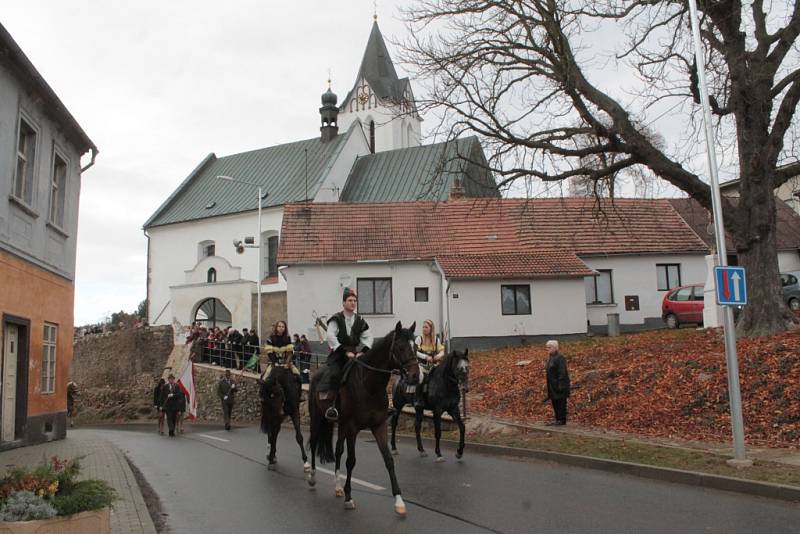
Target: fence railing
x=233 y=357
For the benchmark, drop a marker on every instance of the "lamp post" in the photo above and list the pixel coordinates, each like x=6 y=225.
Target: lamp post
x=256 y=246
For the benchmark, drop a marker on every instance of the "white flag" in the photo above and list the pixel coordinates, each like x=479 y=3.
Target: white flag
x=186 y=383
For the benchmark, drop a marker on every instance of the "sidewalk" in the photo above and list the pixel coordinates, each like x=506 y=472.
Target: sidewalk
x=102 y=460
x=787 y=456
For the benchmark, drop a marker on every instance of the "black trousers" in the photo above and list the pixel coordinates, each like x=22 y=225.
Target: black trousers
x=560 y=409
x=227 y=408
x=172 y=418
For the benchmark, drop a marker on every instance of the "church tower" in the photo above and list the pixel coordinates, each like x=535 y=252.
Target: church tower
x=328 y=115
x=383 y=102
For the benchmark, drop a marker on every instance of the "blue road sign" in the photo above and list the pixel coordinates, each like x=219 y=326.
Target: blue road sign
x=731 y=286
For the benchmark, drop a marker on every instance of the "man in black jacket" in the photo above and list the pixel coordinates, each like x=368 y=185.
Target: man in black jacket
x=557 y=382
x=225 y=391
x=170 y=402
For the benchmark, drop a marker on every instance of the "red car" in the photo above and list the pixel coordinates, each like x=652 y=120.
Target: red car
x=683 y=304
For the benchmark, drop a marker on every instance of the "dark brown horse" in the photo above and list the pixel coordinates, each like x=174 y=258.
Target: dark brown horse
x=280 y=398
x=363 y=404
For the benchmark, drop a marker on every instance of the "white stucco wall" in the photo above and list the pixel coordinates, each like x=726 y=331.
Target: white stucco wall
x=318 y=289
x=789 y=261
x=636 y=275
x=557 y=307
x=174 y=250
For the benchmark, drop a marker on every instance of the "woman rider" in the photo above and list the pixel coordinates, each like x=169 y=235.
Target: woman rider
x=279 y=349
x=429 y=353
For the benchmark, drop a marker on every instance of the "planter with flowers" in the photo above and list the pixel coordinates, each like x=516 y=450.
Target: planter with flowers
x=50 y=498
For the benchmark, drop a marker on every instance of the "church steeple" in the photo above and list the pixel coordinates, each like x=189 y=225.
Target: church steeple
x=377 y=67
x=329 y=113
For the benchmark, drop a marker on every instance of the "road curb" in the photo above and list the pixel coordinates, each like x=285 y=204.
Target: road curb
x=665 y=474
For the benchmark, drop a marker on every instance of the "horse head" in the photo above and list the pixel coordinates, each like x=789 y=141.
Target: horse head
x=460 y=368
x=403 y=352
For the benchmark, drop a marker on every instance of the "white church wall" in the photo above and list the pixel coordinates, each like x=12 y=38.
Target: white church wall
x=173 y=250
x=636 y=275
x=557 y=308
x=336 y=175
x=317 y=289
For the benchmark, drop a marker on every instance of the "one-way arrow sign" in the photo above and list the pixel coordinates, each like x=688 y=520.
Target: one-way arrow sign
x=731 y=286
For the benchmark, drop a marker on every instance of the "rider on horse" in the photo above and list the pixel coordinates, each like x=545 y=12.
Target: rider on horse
x=348 y=338
x=429 y=353
x=280 y=351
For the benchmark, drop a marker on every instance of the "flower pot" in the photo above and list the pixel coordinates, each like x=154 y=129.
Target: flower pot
x=94 y=522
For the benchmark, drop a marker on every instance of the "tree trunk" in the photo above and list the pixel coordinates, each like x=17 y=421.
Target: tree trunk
x=766 y=311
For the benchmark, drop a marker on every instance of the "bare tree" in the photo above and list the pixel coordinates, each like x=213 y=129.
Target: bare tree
x=523 y=75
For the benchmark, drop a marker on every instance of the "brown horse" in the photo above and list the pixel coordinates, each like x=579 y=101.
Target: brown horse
x=363 y=404
x=280 y=398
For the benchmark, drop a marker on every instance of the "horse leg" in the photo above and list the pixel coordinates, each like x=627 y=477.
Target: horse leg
x=437 y=431
x=350 y=463
x=273 y=439
x=298 y=436
x=337 y=479
x=418 y=414
x=398 y=407
x=454 y=413
x=379 y=433
x=312 y=444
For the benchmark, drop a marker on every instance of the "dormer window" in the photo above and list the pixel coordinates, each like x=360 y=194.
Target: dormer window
x=211 y=277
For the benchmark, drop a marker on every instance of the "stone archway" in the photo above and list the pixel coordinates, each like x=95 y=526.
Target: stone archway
x=212 y=312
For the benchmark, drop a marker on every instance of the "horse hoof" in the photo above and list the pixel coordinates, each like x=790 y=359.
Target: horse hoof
x=339 y=493
x=439 y=459
x=423 y=454
x=459 y=455
x=349 y=505
x=272 y=466
x=395 y=452
x=311 y=479
x=306 y=467
x=399 y=506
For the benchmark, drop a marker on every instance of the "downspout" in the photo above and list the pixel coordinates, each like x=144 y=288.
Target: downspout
x=94 y=156
x=147 y=280
x=444 y=310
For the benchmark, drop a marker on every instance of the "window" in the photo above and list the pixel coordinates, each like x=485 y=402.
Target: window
x=49 y=358
x=374 y=296
x=788 y=280
x=372 y=136
x=599 y=289
x=668 y=275
x=205 y=249
x=682 y=295
x=516 y=300
x=26 y=150
x=420 y=294
x=270 y=251
x=212 y=276
x=58 y=188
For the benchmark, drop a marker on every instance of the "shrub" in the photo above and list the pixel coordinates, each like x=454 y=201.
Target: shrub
x=85 y=495
x=26 y=506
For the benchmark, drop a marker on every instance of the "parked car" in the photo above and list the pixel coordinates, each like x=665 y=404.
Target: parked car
x=791 y=289
x=683 y=304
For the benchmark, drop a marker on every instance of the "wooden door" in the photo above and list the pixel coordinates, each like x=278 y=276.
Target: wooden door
x=8 y=394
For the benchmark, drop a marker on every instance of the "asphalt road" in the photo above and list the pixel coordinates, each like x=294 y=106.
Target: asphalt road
x=212 y=481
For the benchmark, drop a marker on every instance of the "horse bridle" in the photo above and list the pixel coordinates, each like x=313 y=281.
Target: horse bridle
x=392 y=357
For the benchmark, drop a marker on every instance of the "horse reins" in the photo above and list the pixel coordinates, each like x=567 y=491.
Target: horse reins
x=391 y=355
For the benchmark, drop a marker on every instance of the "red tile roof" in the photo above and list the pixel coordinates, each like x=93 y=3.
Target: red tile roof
x=315 y=233
x=541 y=264
x=787 y=224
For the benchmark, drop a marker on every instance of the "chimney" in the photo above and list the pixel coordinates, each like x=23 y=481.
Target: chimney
x=456 y=190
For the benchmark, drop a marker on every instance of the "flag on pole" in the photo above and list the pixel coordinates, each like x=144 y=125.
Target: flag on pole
x=186 y=383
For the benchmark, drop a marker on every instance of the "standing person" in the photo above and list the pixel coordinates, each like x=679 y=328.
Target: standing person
x=348 y=338
x=557 y=382
x=157 y=404
x=429 y=353
x=169 y=403
x=225 y=391
x=72 y=393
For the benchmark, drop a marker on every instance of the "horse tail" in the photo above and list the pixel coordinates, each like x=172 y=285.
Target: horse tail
x=325 y=441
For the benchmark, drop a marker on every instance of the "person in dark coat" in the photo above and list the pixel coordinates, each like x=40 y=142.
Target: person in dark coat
x=225 y=390
x=72 y=393
x=170 y=402
x=557 y=382
x=157 y=404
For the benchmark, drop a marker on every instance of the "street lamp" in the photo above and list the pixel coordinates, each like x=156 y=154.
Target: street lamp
x=240 y=247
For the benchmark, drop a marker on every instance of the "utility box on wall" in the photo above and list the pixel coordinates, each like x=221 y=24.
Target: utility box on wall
x=631 y=302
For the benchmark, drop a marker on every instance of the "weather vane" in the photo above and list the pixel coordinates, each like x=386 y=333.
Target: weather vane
x=374 y=9
x=329 y=78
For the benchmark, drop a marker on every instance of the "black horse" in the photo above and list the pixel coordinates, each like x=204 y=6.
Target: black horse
x=445 y=385
x=280 y=398
x=362 y=405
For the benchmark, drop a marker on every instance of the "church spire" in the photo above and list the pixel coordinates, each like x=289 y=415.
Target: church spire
x=377 y=67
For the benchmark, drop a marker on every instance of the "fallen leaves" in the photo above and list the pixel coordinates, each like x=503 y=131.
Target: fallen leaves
x=660 y=383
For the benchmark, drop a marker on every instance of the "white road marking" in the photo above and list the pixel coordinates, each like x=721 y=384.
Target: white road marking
x=213 y=437
x=354 y=480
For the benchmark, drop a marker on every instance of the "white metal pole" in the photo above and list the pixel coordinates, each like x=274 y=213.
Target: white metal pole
x=260 y=271
x=737 y=420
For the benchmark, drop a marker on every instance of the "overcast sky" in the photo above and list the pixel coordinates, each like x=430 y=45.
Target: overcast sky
x=157 y=85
